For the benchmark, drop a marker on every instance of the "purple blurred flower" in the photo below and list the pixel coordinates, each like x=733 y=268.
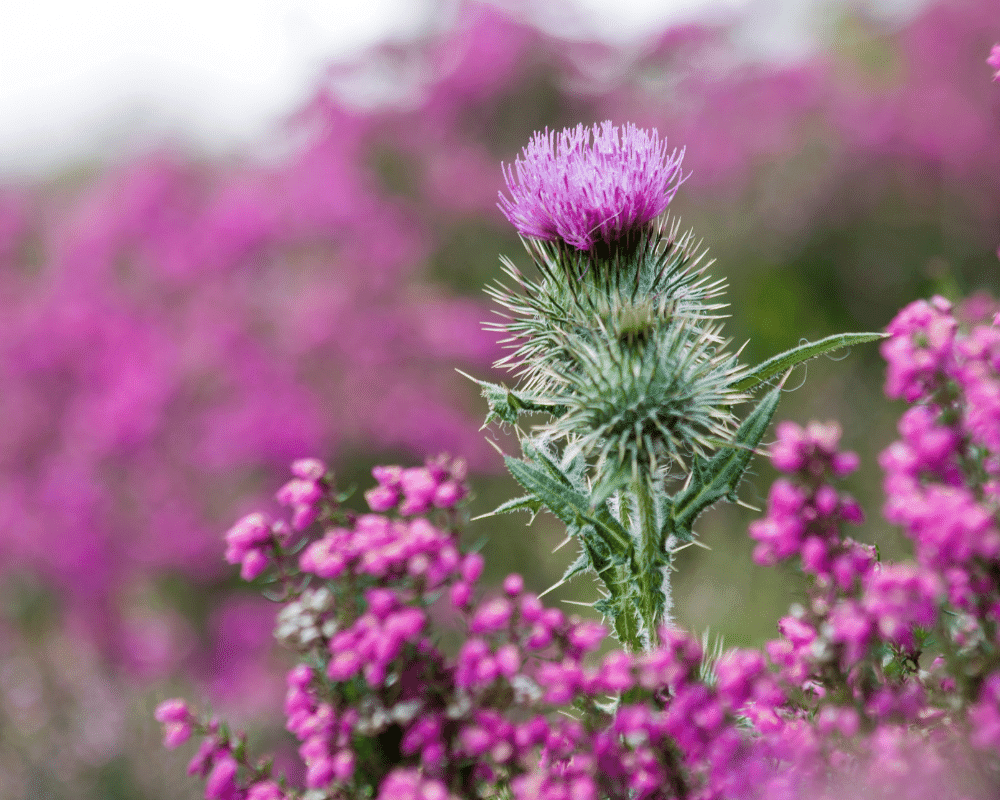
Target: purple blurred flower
x=579 y=191
x=994 y=61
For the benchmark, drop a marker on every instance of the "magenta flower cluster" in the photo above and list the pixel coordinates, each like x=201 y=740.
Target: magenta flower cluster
x=882 y=683
x=587 y=185
x=942 y=478
x=415 y=490
x=377 y=702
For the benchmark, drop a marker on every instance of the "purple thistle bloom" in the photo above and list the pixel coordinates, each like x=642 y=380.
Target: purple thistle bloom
x=579 y=191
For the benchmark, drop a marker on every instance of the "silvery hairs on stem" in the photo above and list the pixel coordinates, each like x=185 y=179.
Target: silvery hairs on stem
x=617 y=340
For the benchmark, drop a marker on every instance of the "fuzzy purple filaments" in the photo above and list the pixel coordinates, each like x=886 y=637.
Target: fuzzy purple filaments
x=589 y=185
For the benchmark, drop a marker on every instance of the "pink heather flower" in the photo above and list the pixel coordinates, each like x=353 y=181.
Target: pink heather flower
x=176 y=719
x=247 y=534
x=491 y=616
x=472 y=567
x=265 y=790
x=919 y=348
x=571 y=189
x=382 y=498
x=448 y=494
x=253 y=564
x=173 y=710
x=388 y=476
x=461 y=594
x=994 y=61
x=587 y=635
x=221 y=782
x=309 y=469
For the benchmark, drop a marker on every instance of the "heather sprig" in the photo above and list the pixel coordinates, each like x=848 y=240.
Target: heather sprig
x=619 y=342
x=522 y=708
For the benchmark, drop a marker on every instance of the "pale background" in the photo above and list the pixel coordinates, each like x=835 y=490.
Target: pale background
x=91 y=78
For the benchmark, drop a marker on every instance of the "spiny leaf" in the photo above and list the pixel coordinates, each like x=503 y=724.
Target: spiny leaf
x=599 y=558
x=505 y=405
x=527 y=502
x=609 y=482
x=719 y=477
x=621 y=613
x=566 y=503
x=575 y=479
x=539 y=456
x=790 y=358
x=582 y=562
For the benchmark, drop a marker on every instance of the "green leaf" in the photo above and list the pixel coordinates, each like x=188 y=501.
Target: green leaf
x=527 y=502
x=611 y=481
x=621 y=613
x=719 y=477
x=785 y=361
x=567 y=504
x=582 y=563
x=575 y=479
x=600 y=559
x=539 y=456
x=505 y=405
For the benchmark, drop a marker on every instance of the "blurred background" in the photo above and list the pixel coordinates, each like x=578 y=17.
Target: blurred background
x=230 y=237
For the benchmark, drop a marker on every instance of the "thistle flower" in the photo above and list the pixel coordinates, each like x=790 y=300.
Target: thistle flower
x=621 y=331
x=571 y=189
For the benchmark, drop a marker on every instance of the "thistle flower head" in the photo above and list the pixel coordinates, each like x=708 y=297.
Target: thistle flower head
x=588 y=185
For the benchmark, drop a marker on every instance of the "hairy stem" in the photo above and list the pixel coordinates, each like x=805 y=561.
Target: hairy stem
x=650 y=575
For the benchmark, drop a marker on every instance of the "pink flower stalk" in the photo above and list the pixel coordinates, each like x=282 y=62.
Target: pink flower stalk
x=571 y=189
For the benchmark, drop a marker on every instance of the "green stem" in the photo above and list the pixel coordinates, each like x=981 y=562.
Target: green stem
x=650 y=576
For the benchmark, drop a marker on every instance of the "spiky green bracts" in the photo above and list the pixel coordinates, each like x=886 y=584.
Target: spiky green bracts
x=618 y=341
x=626 y=339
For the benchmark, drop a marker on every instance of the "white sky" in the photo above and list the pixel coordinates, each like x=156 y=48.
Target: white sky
x=87 y=77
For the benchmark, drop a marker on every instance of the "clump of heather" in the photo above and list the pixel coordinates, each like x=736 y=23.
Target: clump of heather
x=941 y=476
x=889 y=657
x=413 y=682
x=382 y=708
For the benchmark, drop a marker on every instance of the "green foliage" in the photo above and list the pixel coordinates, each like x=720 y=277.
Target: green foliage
x=506 y=406
x=782 y=362
x=719 y=477
x=578 y=298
